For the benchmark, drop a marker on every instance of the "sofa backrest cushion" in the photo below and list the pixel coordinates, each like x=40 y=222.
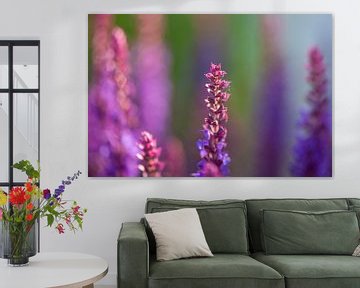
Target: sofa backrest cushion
x=298 y=232
x=256 y=205
x=354 y=205
x=353 y=201
x=223 y=221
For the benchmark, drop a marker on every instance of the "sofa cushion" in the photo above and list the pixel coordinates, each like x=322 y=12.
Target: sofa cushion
x=178 y=234
x=223 y=221
x=222 y=270
x=314 y=271
x=297 y=232
x=353 y=201
x=356 y=209
x=354 y=205
x=254 y=217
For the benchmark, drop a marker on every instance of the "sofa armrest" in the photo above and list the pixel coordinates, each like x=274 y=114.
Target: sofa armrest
x=133 y=256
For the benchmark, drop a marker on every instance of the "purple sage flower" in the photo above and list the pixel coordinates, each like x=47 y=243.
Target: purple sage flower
x=208 y=169
x=112 y=114
x=149 y=154
x=121 y=76
x=61 y=188
x=213 y=143
x=313 y=149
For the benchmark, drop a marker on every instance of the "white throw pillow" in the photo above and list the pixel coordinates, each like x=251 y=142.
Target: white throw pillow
x=178 y=234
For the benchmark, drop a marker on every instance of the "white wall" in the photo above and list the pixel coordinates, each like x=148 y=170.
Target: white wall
x=62 y=28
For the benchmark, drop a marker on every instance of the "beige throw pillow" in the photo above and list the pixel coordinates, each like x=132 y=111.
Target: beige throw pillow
x=178 y=234
x=357 y=251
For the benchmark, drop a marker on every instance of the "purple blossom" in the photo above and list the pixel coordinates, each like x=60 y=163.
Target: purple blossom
x=213 y=143
x=313 y=149
x=208 y=169
x=46 y=194
x=121 y=76
x=149 y=154
x=61 y=188
x=152 y=75
x=112 y=114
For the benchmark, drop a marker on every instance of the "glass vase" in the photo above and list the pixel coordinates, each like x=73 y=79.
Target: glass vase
x=18 y=242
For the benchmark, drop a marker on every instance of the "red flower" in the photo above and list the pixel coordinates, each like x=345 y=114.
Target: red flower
x=29 y=217
x=29 y=206
x=60 y=228
x=17 y=196
x=29 y=187
x=27 y=196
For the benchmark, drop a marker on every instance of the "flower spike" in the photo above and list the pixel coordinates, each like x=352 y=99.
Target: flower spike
x=150 y=165
x=313 y=149
x=214 y=160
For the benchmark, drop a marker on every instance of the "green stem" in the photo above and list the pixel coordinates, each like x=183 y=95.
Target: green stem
x=18 y=237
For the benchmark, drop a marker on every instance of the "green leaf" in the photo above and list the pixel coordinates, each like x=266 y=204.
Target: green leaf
x=79 y=221
x=26 y=167
x=50 y=219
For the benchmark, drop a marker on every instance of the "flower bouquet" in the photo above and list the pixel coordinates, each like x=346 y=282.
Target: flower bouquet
x=21 y=208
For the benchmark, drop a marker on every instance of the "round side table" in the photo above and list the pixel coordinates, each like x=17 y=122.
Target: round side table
x=50 y=270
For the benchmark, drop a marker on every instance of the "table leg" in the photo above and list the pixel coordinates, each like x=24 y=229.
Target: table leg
x=89 y=286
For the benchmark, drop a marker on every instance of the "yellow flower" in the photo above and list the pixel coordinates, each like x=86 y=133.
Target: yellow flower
x=3 y=198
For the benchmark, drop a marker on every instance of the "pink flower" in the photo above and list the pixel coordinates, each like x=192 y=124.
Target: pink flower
x=76 y=210
x=150 y=165
x=1 y=214
x=68 y=219
x=60 y=228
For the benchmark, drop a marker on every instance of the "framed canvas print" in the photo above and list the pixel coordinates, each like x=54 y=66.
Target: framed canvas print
x=233 y=95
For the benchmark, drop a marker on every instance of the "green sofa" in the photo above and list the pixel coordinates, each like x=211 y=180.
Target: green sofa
x=233 y=230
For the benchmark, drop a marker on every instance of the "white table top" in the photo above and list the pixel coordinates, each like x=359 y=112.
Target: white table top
x=45 y=270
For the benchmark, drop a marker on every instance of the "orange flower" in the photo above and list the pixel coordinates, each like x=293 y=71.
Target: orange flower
x=29 y=217
x=27 y=196
x=29 y=206
x=29 y=186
